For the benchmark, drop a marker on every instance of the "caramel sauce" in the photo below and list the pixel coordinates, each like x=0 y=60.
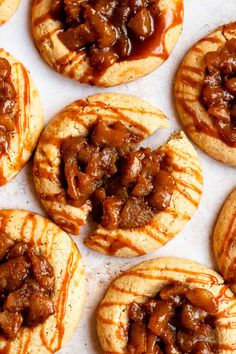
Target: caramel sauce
x=125 y=291
x=24 y=342
x=198 y=125
x=29 y=219
x=185 y=76
x=21 y=125
x=193 y=69
x=112 y=113
x=196 y=173
x=152 y=234
x=122 y=332
x=55 y=343
x=7 y=347
x=71 y=224
x=115 y=245
x=92 y=108
x=227 y=244
x=191 y=276
x=155 y=44
x=41 y=19
x=116 y=303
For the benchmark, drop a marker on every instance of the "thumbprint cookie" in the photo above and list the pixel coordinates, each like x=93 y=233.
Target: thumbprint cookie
x=89 y=160
x=21 y=116
x=7 y=9
x=224 y=241
x=41 y=284
x=106 y=42
x=168 y=305
x=205 y=93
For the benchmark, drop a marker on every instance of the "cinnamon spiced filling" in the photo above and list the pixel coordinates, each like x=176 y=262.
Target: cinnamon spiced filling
x=108 y=30
x=26 y=286
x=7 y=104
x=177 y=320
x=126 y=188
x=219 y=90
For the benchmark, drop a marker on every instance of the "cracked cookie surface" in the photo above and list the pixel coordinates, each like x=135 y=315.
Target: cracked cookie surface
x=141 y=119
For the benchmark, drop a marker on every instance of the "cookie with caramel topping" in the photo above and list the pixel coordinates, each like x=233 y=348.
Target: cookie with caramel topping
x=7 y=9
x=42 y=284
x=167 y=305
x=106 y=43
x=224 y=241
x=21 y=116
x=89 y=160
x=205 y=93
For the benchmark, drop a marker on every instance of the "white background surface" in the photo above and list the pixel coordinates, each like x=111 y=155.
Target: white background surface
x=194 y=242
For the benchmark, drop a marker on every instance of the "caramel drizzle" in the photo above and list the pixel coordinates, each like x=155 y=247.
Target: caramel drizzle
x=21 y=125
x=114 y=245
x=55 y=342
x=75 y=113
x=186 y=76
x=152 y=229
x=129 y=292
x=193 y=277
x=227 y=243
x=153 y=46
x=29 y=222
x=24 y=342
x=7 y=347
x=223 y=298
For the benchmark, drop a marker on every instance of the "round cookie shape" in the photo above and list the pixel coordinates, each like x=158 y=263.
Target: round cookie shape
x=27 y=119
x=224 y=241
x=69 y=289
x=145 y=281
x=76 y=64
x=196 y=120
x=7 y=9
x=142 y=119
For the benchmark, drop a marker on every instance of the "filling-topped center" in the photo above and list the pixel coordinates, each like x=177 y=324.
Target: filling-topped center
x=109 y=30
x=126 y=188
x=7 y=104
x=177 y=320
x=26 y=286
x=219 y=90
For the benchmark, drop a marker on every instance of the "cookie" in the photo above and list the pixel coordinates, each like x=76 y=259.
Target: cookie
x=224 y=244
x=21 y=117
x=7 y=9
x=142 y=283
x=17 y=227
x=148 y=228
x=99 y=53
x=204 y=98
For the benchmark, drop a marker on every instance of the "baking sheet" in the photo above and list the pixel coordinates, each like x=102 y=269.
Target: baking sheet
x=193 y=242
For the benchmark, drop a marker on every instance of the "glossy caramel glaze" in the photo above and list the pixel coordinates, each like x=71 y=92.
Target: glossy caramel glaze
x=144 y=281
x=224 y=241
x=145 y=58
x=188 y=96
x=27 y=120
x=183 y=160
x=69 y=282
